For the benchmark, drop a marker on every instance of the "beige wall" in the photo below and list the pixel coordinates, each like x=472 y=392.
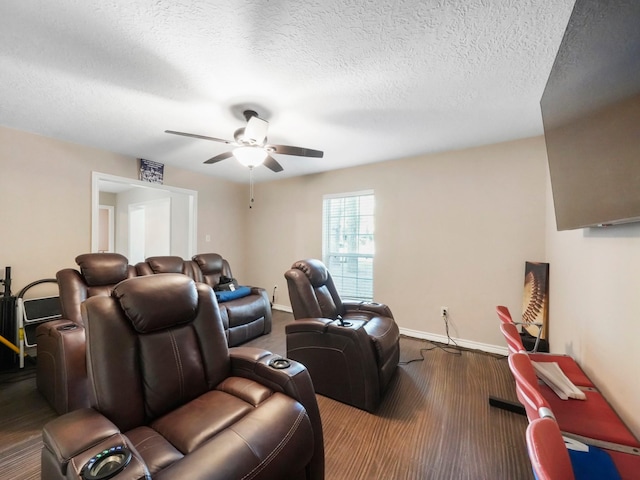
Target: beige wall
x=452 y=229
x=45 y=215
x=595 y=306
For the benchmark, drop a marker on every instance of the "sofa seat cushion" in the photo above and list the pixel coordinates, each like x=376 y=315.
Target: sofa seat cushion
x=226 y=295
x=154 y=449
x=195 y=422
x=269 y=440
x=244 y=310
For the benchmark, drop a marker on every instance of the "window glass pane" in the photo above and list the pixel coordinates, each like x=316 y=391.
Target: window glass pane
x=348 y=243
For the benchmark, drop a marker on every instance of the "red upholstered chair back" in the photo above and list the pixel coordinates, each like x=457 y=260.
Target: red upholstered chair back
x=547 y=451
x=212 y=266
x=155 y=344
x=312 y=291
x=512 y=336
x=99 y=273
x=527 y=389
x=503 y=314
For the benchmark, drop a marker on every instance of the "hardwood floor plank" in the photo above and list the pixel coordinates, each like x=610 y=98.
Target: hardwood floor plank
x=434 y=422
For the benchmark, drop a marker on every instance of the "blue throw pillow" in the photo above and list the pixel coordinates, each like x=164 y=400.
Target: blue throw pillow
x=227 y=295
x=590 y=462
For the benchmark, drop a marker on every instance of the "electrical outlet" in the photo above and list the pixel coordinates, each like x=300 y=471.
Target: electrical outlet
x=444 y=311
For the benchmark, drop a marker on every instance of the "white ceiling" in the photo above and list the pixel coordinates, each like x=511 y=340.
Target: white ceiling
x=363 y=80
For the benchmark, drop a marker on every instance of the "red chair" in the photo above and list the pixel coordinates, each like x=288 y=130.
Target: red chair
x=567 y=364
x=591 y=421
x=547 y=451
x=505 y=317
x=514 y=342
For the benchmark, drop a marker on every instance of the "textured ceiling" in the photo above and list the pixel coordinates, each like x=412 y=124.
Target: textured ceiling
x=364 y=81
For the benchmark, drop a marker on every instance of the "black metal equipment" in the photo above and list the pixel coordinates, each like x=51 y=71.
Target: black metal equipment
x=8 y=325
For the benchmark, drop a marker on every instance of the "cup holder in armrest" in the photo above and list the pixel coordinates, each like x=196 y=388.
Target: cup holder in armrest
x=69 y=326
x=107 y=464
x=279 y=363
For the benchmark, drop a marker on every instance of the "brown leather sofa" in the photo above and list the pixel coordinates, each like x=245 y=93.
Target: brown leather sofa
x=61 y=374
x=167 y=390
x=244 y=318
x=169 y=264
x=351 y=348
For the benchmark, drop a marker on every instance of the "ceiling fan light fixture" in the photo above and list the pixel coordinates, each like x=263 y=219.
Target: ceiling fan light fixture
x=250 y=156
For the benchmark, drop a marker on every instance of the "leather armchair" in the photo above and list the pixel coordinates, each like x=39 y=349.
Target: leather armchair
x=61 y=374
x=243 y=318
x=168 y=389
x=351 y=348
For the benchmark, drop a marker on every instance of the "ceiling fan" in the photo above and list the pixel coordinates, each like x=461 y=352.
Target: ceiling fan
x=251 y=147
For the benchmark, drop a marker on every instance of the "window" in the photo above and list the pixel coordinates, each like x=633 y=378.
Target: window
x=348 y=242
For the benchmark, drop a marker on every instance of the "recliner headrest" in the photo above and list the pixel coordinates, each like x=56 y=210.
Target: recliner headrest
x=103 y=268
x=315 y=271
x=157 y=302
x=166 y=264
x=209 y=262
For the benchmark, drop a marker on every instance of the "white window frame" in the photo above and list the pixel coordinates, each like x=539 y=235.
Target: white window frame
x=351 y=286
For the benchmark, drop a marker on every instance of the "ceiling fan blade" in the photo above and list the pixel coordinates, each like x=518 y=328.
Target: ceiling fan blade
x=299 y=151
x=218 y=158
x=203 y=137
x=271 y=164
x=256 y=130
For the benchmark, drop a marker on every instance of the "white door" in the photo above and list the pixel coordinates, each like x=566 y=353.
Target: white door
x=149 y=229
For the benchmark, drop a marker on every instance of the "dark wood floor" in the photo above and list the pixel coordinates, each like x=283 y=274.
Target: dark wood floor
x=434 y=422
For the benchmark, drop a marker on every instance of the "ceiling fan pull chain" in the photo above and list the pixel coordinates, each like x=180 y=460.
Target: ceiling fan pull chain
x=250 y=187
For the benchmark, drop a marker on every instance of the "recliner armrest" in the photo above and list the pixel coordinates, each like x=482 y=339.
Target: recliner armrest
x=308 y=325
x=254 y=363
x=294 y=381
x=73 y=433
x=380 y=309
x=61 y=368
x=72 y=440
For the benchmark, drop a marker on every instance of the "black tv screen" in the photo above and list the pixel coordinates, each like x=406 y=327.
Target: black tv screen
x=591 y=116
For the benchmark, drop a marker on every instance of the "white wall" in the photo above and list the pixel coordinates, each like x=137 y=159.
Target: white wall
x=452 y=229
x=595 y=306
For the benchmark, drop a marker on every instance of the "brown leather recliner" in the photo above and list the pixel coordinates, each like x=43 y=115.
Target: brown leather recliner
x=169 y=264
x=169 y=391
x=61 y=373
x=244 y=318
x=351 y=348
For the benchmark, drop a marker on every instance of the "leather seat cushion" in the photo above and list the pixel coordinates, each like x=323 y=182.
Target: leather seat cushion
x=195 y=422
x=155 y=450
x=243 y=441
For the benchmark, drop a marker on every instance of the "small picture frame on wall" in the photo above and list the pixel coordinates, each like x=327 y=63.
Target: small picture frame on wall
x=151 y=171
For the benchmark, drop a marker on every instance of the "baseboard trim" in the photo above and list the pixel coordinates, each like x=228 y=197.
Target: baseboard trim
x=283 y=308
x=484 y=347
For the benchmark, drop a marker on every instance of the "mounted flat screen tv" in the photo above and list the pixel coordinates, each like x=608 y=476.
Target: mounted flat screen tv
x=591 y=116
